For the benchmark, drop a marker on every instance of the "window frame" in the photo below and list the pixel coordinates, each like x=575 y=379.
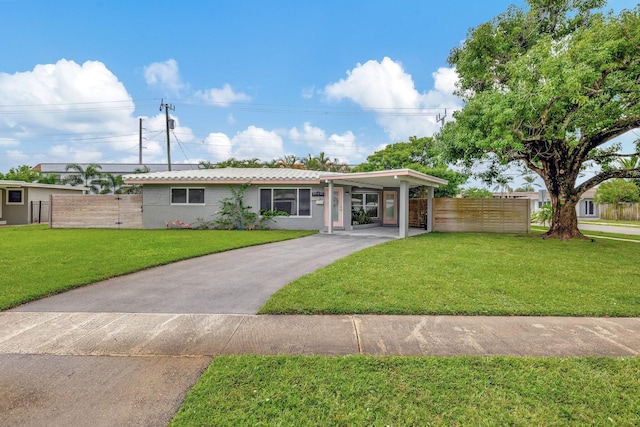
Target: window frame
x=187 y=196
x=12 y=190
x=297 y=199
x=364 y=206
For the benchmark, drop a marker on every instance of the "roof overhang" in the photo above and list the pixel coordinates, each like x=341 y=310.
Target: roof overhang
x=387 y=178
x=236 y=176
x=10 y=185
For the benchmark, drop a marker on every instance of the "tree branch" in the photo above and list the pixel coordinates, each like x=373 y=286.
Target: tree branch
x=604 y=176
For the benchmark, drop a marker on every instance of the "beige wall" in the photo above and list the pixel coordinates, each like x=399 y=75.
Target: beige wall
x=96 y=211
x=481 y=215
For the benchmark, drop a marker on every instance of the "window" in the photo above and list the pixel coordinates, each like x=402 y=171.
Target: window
x=588 y=207
x=15 y=197
x=187 y=196
x=294 y=201
x=365 y=201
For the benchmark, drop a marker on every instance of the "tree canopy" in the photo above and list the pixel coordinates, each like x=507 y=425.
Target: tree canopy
x=419 y=154
x=26 y=174
x=550 y=87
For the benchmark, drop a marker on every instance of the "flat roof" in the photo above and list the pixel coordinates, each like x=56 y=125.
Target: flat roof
x=7 y=184
x=378 y=179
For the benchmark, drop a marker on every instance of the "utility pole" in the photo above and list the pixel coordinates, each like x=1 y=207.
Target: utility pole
x=166 y=108
x=140 y=143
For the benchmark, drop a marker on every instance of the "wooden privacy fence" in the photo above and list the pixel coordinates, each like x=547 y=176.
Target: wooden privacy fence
x=95 y=211
x=627 y=212
x=481 y=215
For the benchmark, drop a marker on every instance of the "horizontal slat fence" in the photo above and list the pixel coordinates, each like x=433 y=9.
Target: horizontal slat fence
x=481 y=215
x=96 y=211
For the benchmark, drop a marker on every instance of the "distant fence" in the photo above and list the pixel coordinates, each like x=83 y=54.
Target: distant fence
x=627 y=212
x=39 y=212
x=481 y=215
x=96 y=211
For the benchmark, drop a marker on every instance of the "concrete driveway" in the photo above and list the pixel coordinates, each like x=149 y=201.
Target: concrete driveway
x=233 y=282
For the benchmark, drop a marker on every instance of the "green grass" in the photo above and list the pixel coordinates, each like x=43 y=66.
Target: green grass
x=38 y=261
x=404 y=391
x=473 y=274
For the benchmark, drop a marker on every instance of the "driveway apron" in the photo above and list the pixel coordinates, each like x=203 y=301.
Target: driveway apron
x=234 y=282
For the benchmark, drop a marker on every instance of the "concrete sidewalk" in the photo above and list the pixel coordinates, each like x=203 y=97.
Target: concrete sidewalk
x=134 y=369
x=194 y=335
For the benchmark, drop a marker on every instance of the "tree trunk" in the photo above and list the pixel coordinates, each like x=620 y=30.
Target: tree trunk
x=564 y=223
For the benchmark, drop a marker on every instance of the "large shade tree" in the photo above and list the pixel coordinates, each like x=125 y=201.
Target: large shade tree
x=550 y=86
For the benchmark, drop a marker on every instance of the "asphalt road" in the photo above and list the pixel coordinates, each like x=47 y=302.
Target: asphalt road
x=609 y=229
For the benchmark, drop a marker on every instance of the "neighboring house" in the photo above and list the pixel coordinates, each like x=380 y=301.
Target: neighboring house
x=116 y=169
x=28 y=202
x=586 y=208
x=189 y=196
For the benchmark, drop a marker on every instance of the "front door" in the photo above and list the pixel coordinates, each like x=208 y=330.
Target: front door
x=390 y=213
x=336 y=207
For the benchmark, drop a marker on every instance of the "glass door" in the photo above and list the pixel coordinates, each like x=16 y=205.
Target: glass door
x=390 y=215
x=336 y=207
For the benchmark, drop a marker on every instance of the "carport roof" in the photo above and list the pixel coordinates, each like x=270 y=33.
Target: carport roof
x=379 y=179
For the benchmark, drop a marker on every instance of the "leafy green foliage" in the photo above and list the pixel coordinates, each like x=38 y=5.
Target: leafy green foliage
x=549 y=87
x=233 y=213
x=543 y=215
x=413 y=391
x=476 y=193
x=617 y=191
x=26 y=174
x=419 y=154
x=89 y=177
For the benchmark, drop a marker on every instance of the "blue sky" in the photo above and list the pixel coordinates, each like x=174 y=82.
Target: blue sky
x=247 y=78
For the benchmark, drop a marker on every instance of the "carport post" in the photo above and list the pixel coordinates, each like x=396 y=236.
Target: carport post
x=404 y=210
x=330 y=210
x=429 y=209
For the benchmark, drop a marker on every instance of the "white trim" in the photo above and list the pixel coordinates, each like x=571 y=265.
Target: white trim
x=297 y=190
x=186 y=203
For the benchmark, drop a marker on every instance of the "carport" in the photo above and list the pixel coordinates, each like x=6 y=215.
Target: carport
x=392 y=183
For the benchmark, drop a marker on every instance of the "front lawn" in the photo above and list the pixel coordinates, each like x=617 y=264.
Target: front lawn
x=474 y=274
x=413 y=391
x=38 y=261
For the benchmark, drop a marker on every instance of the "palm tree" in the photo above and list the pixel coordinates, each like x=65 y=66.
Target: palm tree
x=111 y=184
x=502 y=184
x=84 y=177
x=290 y=161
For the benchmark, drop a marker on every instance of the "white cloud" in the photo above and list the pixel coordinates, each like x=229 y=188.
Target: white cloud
x=307 y=92
x=75 y=155
x=388 y=91
x=222 y=97
x=8 y=142
x=253 y=142
x=219 y=146
x=343 y=147
x=164 y=75
x=83 y=102
x=17 y=157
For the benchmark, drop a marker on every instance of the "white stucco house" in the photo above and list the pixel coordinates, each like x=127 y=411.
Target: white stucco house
x=314 y=200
